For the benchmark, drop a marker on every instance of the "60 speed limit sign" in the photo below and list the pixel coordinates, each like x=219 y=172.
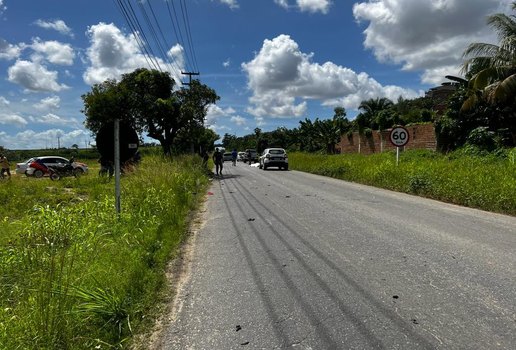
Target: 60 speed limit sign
x=399 y=136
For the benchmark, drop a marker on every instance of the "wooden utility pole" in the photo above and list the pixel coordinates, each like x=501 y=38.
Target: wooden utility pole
x=189 y=76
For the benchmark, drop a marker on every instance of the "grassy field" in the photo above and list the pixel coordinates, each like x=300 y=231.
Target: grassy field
x=486 y=182
x=75 y=275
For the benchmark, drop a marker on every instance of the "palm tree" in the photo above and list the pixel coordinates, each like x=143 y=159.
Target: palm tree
x=491 y=68
x=369 y=117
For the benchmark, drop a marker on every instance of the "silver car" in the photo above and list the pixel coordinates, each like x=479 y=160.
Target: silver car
x=274 y=157
x=21 y=168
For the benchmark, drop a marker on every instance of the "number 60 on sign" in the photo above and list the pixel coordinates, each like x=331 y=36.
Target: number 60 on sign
x=399 y=136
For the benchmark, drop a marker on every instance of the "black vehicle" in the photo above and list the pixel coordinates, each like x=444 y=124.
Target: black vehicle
x=56 y=172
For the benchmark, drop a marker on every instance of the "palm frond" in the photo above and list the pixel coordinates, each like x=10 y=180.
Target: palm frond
x=504 y=90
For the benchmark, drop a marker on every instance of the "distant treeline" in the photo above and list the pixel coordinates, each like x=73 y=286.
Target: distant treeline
x=78 y=153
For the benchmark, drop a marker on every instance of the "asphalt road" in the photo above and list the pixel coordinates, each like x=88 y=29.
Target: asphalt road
x=292 y=260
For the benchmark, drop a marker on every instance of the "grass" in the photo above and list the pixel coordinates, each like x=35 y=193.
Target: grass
x=486 y=182
x=74 y=274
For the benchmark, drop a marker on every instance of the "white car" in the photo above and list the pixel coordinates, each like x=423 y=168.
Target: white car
x=274 y=157
x=37 y=170
x=21 y=168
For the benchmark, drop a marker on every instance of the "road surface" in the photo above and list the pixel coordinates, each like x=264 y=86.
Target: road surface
x=289 y=260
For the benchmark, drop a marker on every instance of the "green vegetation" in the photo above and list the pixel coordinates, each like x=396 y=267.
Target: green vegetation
x=76 y=276
x=466 y=177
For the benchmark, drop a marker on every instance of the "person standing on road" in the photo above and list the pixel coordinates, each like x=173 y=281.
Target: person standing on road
x=217 y=159
x=4 y=164
x=249 y=157
x=234 y=156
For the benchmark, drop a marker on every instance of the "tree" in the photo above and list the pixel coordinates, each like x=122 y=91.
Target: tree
x=369 y=116
x=492 y=68
x=146 y=100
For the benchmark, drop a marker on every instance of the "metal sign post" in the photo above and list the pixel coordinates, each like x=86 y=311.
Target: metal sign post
x=117 y=165
x=399 y=137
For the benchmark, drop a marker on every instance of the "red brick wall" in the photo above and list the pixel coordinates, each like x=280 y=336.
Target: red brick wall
x=420 y=137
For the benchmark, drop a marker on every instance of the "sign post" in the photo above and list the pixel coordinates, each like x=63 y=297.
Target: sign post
x=117 y=165
x=399 y=137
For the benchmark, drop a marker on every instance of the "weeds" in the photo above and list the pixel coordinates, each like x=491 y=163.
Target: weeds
x=74 y=275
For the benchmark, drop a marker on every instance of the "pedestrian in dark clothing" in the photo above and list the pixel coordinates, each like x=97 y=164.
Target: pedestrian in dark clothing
x=217 y=159
x=234 y=156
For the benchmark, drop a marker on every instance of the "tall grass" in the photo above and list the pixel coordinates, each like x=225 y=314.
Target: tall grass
x=74 y=274
x=482 y=181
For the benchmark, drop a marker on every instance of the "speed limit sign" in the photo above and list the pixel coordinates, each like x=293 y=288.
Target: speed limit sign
x=399 y=136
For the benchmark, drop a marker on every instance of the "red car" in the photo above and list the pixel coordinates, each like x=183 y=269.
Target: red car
x=39 y=166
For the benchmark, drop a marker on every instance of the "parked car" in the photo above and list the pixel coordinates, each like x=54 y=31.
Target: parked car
x=21 y=168
x=39 y=165
x=254 y=155
x=241 y=157
x=274 y=157
x=227 y=157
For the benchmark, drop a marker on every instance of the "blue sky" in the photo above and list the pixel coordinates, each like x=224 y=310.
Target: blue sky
x=272 y=62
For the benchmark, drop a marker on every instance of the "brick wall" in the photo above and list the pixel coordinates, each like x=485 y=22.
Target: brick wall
x=420 y=137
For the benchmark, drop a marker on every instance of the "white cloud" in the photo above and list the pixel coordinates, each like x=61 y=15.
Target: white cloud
x=53 y=51
x=233 y=4
x=238 y=120
x=9 y=51
x=427 y=36
x=58 y=25
x=34 y=77
x=12 y=119
x=214 y=113
x=282 y=79
x=312 y=6
x=226 y=63
x=30 y=139
x=53 y=119
x=322 y=6
x=2 y=7
x=112 y=54
x=48 y=104
x=4 y=102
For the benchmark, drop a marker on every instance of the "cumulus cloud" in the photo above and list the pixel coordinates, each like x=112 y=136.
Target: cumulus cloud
x=312 y=6
x=53 y=51
x=34 y=77
x=111 y=54
x=282 y=79
x=215 y=112
x=12 y=119
x=2 y=7
x=9 y=51
x=30 y=139
x=58 y=25
x=54 y=119
x=4 y=102
x=238 y=120
x=48 y=104
x=427 y=36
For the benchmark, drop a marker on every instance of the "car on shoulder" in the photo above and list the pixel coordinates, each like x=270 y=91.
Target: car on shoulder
x=21 y=168
x=251 y=155
x=38 y=167
x=241 y=157
x=274 y=157
x=227 y=157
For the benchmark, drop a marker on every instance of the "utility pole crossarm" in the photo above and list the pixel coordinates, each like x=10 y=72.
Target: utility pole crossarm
x=189 y=76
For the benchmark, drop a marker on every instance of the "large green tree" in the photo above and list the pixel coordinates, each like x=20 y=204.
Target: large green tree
x=146 y=100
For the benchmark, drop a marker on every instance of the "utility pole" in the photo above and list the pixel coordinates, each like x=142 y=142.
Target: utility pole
x=189 y=76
